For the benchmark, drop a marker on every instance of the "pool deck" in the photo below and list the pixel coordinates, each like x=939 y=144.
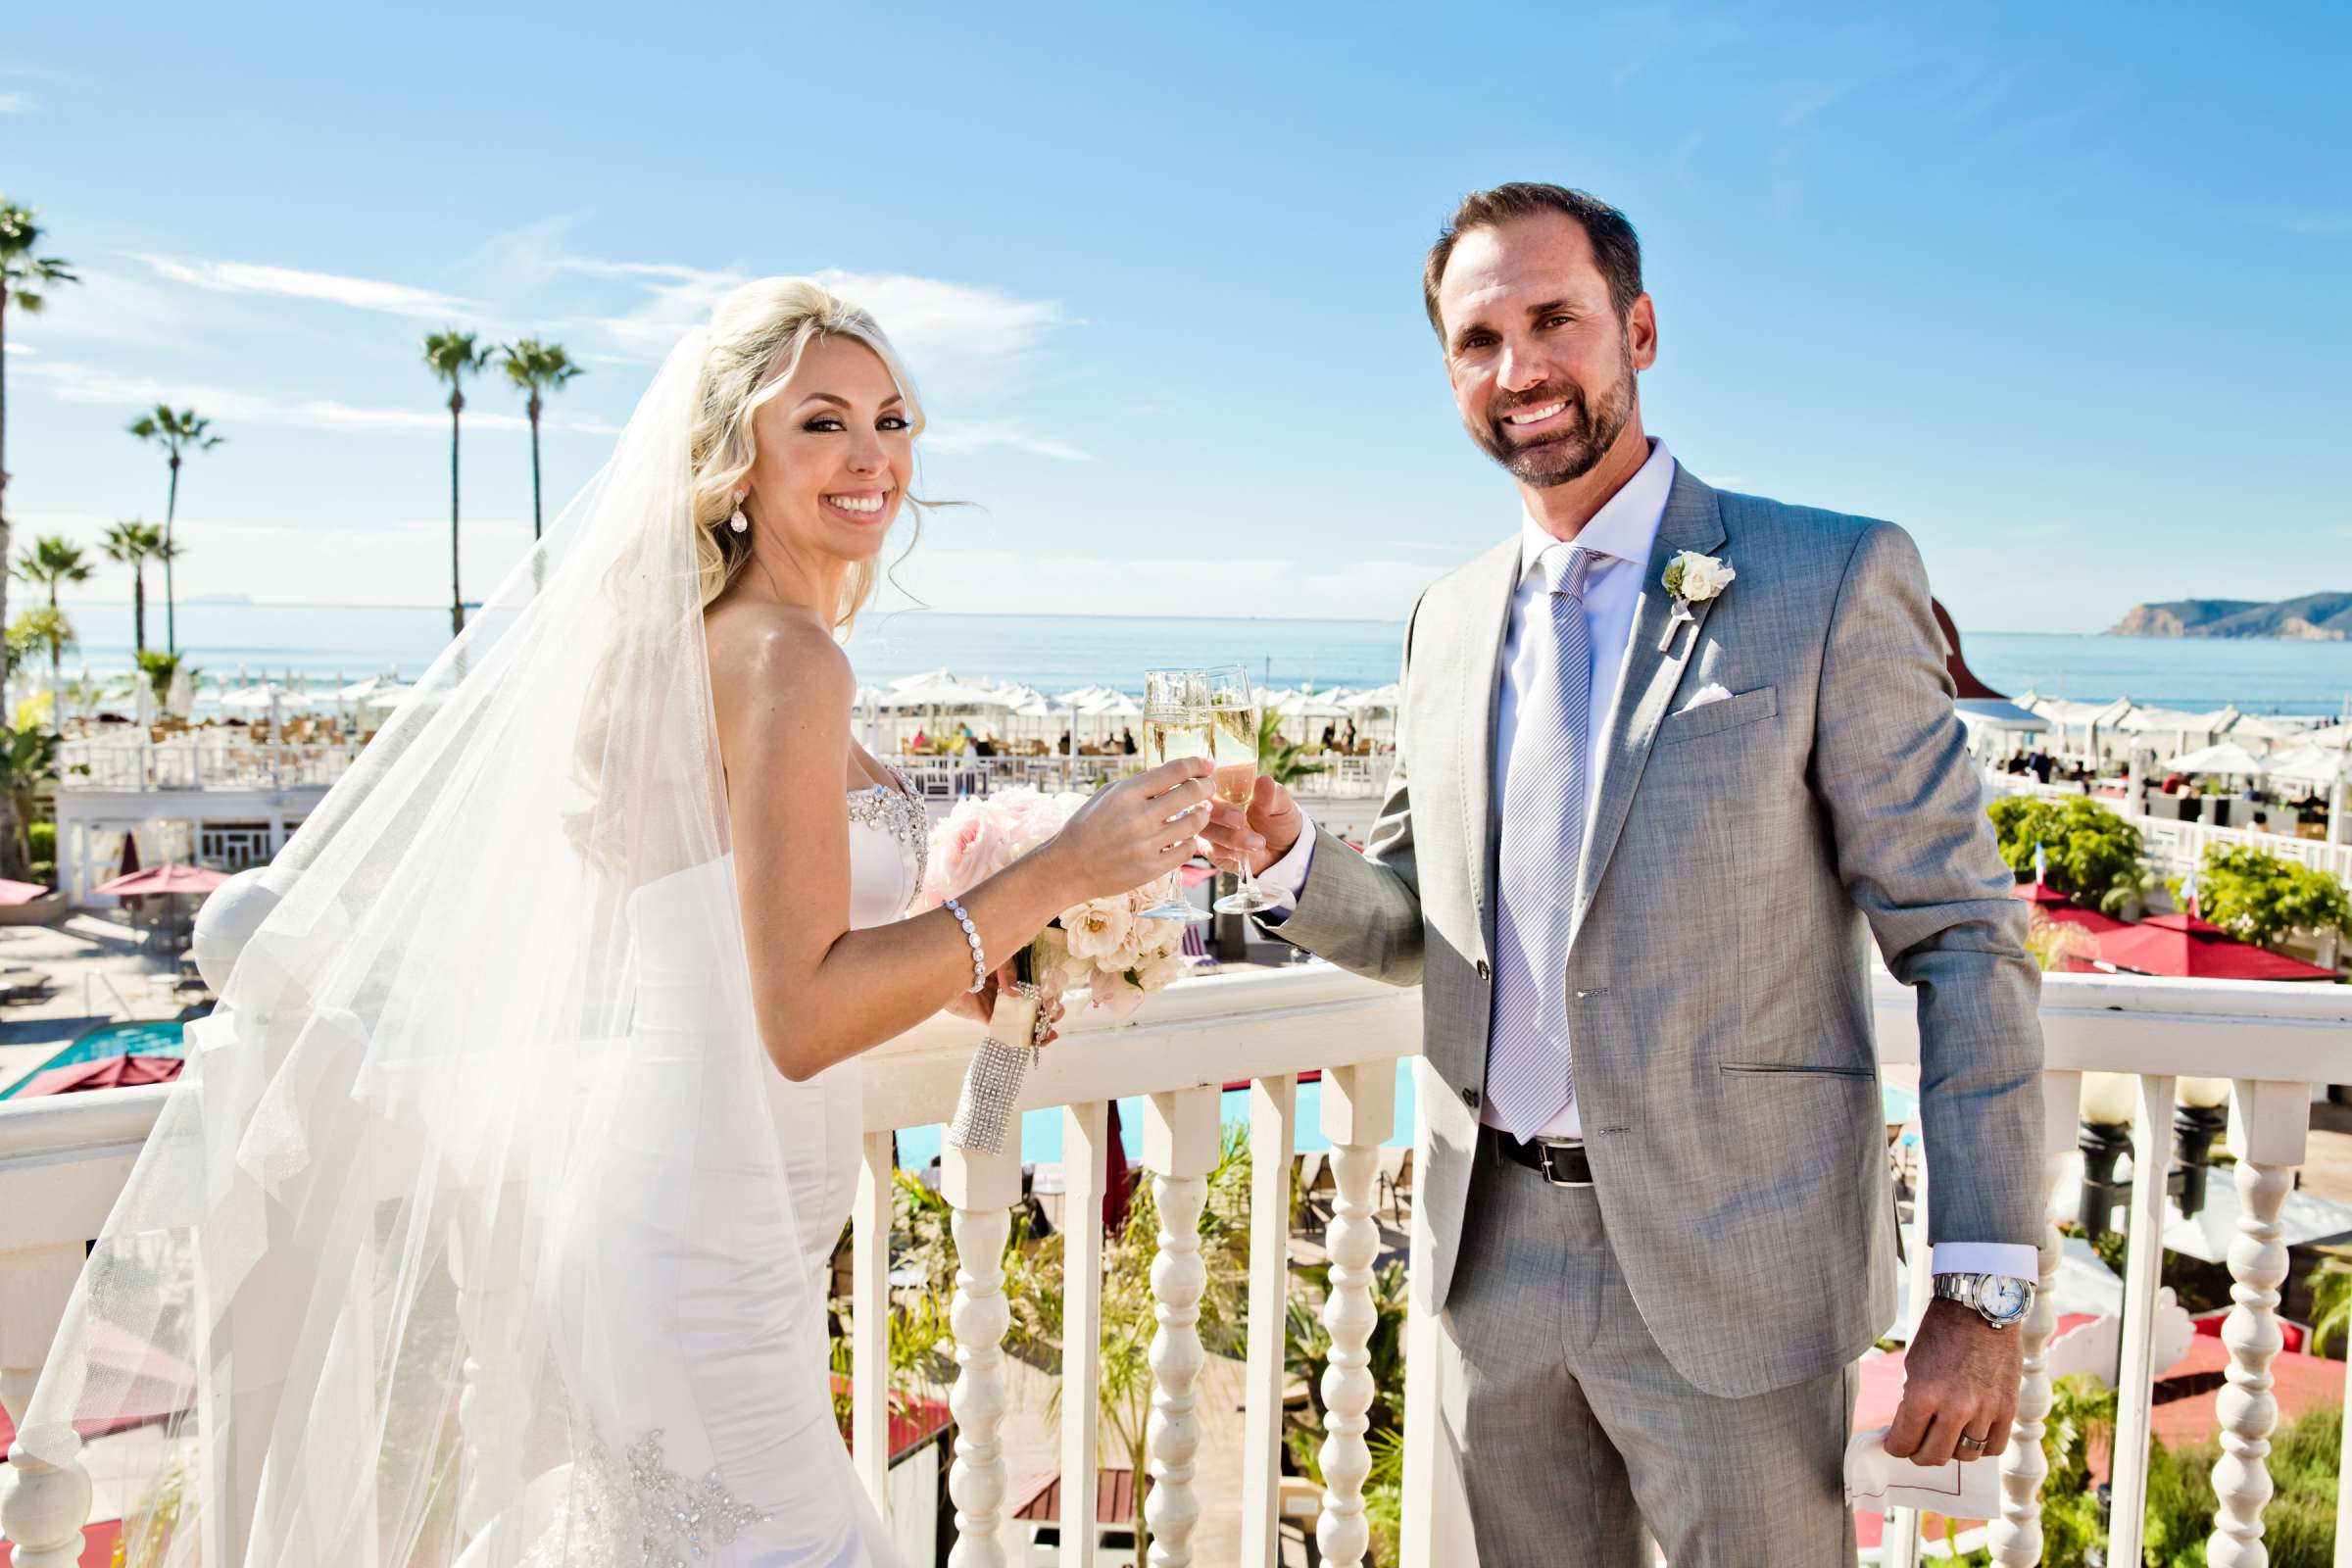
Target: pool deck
x=101 y=976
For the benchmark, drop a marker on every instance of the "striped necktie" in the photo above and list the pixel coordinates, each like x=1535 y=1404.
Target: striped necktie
x=1528 y=1077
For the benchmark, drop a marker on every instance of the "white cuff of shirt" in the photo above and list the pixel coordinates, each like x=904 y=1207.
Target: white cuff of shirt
x=2005 y=1258
x=1286 y=878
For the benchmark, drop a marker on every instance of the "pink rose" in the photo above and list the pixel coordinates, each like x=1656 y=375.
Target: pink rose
x=1115 y=995
x=966 y=850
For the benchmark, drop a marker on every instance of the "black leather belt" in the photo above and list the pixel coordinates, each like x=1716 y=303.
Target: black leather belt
x=1563 y=1164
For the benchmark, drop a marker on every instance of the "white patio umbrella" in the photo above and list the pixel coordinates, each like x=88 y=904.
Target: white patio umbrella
x=2312 y=764
x=269 y=694
x=2228 y=758
x=392 y=695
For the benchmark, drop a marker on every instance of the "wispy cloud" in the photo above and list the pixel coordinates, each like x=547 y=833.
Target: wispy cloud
x=17 y=103
x=979 y=435
x=2313 y=222
x=972 y=347
x=286 y=282
x=84 y=383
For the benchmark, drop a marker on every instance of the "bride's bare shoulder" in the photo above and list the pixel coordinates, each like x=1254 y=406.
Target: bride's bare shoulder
x=771 y=660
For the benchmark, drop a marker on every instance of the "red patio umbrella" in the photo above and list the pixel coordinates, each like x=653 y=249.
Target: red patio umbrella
x=2184 y=946
x=2056 y=907
x=15 y=893
x=106 y=1072
x=165 y=878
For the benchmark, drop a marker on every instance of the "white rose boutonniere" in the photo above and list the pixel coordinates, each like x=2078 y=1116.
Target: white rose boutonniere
x=1692 y=579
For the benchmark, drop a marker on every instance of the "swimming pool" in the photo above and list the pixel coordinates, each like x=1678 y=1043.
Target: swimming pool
x=150 y=1039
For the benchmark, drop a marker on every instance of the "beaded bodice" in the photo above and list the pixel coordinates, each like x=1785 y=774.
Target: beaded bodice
x=892 y=812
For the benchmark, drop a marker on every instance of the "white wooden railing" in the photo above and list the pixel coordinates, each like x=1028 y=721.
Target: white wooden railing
x=200 y=763
x=61 y=1161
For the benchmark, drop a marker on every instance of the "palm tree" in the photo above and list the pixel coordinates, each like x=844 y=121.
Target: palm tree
x=176 y=433
x=23 y=280
x=538 y=369
x=53 y=560
x=453 y=357
x=134 y=544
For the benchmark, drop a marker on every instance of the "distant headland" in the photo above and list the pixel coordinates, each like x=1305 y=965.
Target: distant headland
x=2314 y=617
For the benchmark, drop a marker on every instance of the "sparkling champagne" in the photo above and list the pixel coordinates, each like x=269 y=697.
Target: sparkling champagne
x=1173 y=735
x=1233 y=751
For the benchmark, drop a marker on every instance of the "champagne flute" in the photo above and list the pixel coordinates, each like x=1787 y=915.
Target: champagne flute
x=1175 y=727
x=1233 y=753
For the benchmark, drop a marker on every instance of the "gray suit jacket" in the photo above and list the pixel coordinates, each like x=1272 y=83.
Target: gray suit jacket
x=1741 y=856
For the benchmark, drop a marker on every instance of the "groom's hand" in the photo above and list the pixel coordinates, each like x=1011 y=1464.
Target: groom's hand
x=1959 y=1379
x=1265 y=833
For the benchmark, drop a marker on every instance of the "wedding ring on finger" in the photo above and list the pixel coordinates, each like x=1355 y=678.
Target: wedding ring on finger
x=1969 y=1445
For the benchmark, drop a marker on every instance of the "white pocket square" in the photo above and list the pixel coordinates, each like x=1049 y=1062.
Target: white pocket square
x=1711 y=692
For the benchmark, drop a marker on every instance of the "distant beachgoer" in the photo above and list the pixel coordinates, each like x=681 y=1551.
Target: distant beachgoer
x=1331 y=736
x=1348 y=740
x=1126 y=740
x=921 y=741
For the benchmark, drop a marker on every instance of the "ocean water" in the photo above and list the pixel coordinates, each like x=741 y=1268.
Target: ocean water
x=1058 y=653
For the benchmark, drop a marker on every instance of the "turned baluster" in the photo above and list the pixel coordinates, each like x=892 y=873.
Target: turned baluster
x=1180 y=1149
x=2267 y=1133
x=1359 y=1111
x=980 y=1189
x=2015 y=1538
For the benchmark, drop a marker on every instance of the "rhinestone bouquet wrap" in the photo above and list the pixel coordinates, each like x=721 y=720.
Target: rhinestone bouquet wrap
x=992 y=1084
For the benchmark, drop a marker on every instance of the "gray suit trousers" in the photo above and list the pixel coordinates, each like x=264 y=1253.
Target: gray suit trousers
x=1574 y=1429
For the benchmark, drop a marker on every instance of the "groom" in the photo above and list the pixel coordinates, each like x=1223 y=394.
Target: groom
x=1634 y=845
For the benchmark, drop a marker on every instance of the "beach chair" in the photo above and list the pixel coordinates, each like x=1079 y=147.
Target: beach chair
x=1396 y=1181
x=1318 y=1189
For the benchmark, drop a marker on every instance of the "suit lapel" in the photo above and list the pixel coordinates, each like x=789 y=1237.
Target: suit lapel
x=1490 y=584
x=1693 y=521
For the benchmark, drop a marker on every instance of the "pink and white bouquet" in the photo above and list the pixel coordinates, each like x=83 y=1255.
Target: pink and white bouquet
x=1106 y=945
x=1103 y=946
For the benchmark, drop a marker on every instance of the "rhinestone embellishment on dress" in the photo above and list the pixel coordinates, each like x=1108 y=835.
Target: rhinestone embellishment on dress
x=897 y=812
x=675 y=1521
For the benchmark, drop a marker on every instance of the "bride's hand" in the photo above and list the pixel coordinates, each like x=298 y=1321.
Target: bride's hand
x=1124 y=836
x=981 y=1003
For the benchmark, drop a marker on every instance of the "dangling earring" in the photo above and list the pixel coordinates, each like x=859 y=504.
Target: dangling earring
x=738 y=521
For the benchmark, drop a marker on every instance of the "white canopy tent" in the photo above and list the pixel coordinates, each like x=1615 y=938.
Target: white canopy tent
x=2227 y=759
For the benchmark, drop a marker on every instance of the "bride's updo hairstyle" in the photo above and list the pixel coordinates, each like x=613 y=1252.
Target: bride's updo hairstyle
x=758 y=335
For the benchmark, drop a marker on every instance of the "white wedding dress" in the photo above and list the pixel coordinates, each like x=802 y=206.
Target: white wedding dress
x=479 y=1228
x=740 y=1338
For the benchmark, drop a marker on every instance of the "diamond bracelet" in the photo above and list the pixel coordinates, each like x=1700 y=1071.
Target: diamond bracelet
x=979 y=959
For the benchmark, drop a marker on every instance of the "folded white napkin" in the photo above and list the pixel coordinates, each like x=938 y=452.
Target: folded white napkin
x=1880 y=1481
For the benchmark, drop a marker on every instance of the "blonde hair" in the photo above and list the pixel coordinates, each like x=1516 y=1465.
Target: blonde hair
x=757 y=336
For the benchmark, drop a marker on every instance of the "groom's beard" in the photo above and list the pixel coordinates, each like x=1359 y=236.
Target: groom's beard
x=1572 y=451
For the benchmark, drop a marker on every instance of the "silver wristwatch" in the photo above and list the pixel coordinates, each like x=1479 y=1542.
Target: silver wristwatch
x=2000 y=1300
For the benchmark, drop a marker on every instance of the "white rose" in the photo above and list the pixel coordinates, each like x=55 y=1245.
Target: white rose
x=1164 y=971
x=1703 y=576
x=1098 y=929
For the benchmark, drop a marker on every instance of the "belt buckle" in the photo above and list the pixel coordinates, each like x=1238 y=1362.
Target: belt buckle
x=1548 y=1146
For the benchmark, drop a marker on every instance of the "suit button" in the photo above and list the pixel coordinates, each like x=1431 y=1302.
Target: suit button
x=1470 y=1097
x=1483 y=971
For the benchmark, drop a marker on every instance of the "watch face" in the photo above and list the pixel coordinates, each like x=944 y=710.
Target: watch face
x=2004 y=1297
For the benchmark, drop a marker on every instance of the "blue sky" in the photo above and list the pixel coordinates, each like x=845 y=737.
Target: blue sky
x=2064 y=293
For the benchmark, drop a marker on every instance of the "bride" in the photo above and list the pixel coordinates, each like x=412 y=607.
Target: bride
x=488 y=1223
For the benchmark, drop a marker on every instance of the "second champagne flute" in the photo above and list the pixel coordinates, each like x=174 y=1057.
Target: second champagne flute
x=1233 y=750
x=1175 y=727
